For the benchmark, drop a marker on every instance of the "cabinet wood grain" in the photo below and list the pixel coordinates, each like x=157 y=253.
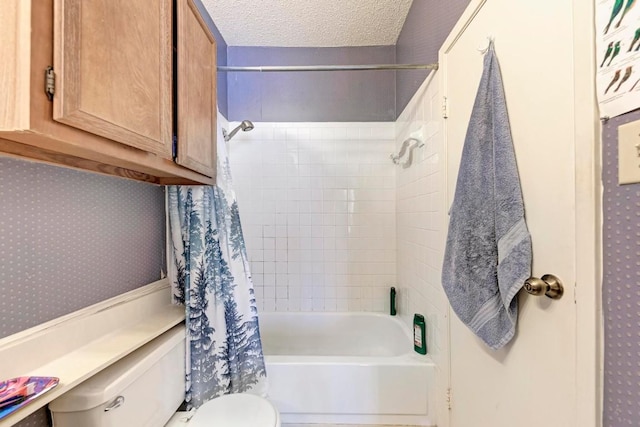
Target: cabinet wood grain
x=27 y=126
x=197 y=71
x=113 y=69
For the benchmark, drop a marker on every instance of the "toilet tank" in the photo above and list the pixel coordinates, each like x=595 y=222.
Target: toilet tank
x=143 y=389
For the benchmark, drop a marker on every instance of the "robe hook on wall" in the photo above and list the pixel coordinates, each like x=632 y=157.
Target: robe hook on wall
x=484 y=49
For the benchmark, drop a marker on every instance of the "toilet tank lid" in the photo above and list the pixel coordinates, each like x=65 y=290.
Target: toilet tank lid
x=107 y=384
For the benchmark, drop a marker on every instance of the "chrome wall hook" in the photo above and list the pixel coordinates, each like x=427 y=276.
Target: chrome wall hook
x=406 y=145
x=486 y=49
x=417 y=138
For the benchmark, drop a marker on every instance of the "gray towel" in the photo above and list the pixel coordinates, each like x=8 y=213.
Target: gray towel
x=488 y=253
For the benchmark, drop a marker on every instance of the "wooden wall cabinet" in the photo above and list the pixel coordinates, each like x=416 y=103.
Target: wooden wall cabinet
x=114 y=110
x=197 y=97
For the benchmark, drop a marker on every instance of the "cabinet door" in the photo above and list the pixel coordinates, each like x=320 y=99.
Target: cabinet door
x=112 y=60
x=196 y=74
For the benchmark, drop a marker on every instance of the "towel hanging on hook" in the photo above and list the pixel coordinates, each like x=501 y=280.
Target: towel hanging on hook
x=488 y=250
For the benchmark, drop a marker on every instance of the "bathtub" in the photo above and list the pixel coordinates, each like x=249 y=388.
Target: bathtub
x=345 y=368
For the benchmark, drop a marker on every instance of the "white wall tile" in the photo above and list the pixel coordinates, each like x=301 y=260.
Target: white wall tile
x=331 y=223
x=317 y=202
x=421 y=225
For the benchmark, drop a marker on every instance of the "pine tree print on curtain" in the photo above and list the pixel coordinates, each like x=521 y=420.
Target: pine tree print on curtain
x=209 y=271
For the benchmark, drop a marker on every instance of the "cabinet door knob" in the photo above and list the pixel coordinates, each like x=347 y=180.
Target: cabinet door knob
x=549 y=285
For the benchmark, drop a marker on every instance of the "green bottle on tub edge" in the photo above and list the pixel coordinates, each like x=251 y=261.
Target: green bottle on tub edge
x=419 y=334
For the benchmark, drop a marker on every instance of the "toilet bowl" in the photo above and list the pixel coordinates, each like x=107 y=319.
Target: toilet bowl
x=236 y=410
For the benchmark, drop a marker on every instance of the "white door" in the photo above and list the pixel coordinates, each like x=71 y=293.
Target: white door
x=534 y=381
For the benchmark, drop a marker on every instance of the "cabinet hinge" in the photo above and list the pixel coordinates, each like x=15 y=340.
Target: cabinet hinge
x=445 y=108
x=49 y=82
x=447 y=398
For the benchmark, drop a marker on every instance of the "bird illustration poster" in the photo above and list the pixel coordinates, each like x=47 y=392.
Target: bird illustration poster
x=618 y=56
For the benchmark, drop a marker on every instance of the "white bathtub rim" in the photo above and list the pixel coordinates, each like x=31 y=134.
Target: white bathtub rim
x=407 y=359
x=403 y=326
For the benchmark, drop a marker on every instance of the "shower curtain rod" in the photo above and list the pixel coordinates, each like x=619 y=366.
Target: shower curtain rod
x=289 y=68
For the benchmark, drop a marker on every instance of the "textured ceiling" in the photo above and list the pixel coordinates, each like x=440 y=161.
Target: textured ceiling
x=309 y=23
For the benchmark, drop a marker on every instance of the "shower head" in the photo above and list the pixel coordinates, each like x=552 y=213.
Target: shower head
x=245 y=126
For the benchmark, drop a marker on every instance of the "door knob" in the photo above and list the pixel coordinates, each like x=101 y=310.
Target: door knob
x=548 y=285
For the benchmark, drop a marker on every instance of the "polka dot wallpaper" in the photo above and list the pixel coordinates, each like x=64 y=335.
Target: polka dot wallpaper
x=41 y=418
x=70 y=239
x=621 y=287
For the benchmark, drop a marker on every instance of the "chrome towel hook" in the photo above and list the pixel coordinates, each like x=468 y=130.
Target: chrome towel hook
x=416 y=137
x=396 y=157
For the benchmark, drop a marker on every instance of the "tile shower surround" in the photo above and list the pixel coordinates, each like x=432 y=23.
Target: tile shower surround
x=421 y=225
x=317 y=202
x=421 y=229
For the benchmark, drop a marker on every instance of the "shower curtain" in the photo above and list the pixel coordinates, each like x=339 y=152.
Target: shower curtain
x=210 y=276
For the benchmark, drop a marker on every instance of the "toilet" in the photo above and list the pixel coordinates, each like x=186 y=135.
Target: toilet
x=146 y=388
x=236 y=410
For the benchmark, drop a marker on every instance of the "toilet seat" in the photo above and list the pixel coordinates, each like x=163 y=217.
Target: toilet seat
x=236 y=410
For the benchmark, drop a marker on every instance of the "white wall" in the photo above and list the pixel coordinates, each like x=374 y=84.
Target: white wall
x=421 y=231
x=317 y=203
